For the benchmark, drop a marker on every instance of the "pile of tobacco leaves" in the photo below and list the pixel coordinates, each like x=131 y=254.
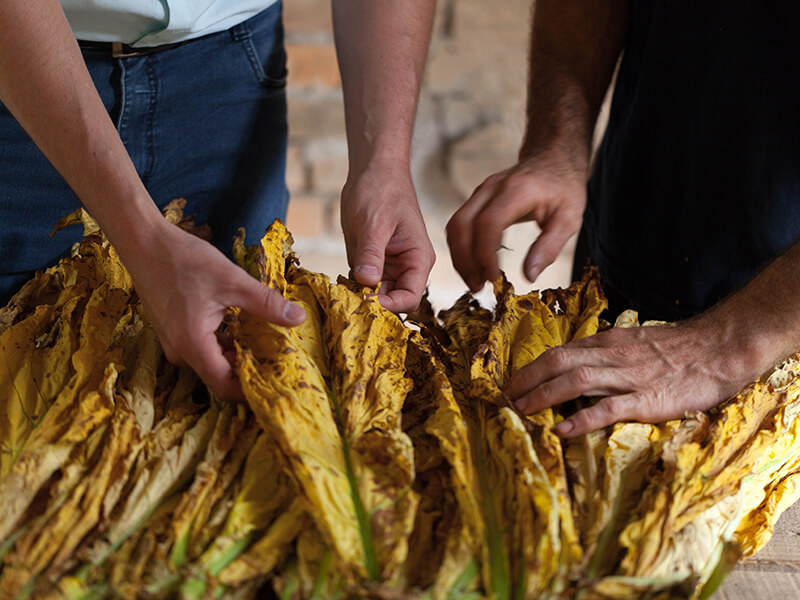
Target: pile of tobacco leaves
x=374 y=457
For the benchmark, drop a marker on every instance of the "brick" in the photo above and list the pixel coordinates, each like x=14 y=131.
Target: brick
x=481 y=153
x=448 y=67
x=296 y=179
x=328 y=174
x=307 y=16
x=307 y=215
x=458 y=115
x=314 y=116
x=313 y=66
x=496 y=22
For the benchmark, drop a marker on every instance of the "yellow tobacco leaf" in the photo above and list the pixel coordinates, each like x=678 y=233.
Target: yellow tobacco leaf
x=527 y=506
x=449 y=521
x=627 y=457
x=289 y=399
x=263 y=556
x=74 y=414
x=196 y=502
x=52 y=546
x=159 y=472
x=265 y=492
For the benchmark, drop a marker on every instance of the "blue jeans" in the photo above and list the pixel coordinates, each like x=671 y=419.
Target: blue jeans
x=205 y=121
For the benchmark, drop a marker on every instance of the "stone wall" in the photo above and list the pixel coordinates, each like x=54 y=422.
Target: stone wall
x=469 y=125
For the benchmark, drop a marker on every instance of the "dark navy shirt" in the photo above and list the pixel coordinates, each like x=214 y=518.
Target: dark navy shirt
x=696 y=185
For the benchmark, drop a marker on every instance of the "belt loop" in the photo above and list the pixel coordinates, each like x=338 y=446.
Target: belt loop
x=240 y=32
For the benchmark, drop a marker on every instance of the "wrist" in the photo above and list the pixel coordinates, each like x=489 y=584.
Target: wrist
x=379 y=168
x=388 y=151
x=137 y=232
x=743 y=347
x=555 y=162
x=570 y=154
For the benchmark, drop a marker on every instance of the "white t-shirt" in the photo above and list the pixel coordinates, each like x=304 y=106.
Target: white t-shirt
x=155 y=22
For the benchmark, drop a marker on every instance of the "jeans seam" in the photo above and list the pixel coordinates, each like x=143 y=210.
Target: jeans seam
x=153 y=84
x=122 y=97
x=242 y=34
x=245 y=37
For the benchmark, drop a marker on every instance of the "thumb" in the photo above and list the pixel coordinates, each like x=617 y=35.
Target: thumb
x=368 y=261
x=263 y=301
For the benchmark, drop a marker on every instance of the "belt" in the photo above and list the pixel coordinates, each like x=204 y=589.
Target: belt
x=120 y=50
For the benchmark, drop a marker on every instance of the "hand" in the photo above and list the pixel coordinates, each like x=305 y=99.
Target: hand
x=186 y=285
x=647 y=374
x=385 y=236
x=543 y=188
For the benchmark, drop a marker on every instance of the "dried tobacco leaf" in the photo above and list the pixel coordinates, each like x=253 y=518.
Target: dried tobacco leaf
x=335 y=410
x=369 y=462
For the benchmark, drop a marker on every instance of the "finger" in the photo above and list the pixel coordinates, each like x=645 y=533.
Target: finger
x=544 y=251
x=581 y=381
x=404 y=295
x=262 y=301
x=547 y=366
x=368 y=259
x=208 y=360
x=606 y=412
x=460 y=236
x=489 y=227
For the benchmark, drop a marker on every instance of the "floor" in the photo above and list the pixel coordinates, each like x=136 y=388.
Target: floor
x=772 y=573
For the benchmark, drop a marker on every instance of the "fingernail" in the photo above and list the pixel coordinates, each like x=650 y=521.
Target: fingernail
x=367 y=270
x=293 y=312
x=366 y=273
x=521 y=404
x=565 y=427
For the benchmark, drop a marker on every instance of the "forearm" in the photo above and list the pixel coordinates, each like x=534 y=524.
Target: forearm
x=47 y=87
x=759 y=326
x=574 y=49
x=381 y=46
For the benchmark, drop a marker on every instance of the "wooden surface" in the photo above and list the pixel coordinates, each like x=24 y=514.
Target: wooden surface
x=772 y=573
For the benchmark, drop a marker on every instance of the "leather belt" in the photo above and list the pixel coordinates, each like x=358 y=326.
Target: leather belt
x=120 y=50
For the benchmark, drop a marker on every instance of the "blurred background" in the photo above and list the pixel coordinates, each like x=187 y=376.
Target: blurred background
x=469 y=125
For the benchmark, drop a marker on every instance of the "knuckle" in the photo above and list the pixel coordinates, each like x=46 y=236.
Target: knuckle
x=545 y=392
x=489 y=182
x=584 y=419
x=489 y=220
x=431 y=258
x=583 y=375
x=271 y=298
x=622 y=352
x=520 y=383
x=455 y=224
x=612 y=406
x=635 y=405
x=371 y=251
x=557 y=358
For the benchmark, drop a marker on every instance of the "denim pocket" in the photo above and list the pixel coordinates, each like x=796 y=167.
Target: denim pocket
x=261 y=39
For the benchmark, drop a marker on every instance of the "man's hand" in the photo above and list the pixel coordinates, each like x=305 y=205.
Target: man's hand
x=186 y=285
x=545 y=189
x=647 y=374
x=381 y=46
x=574 y=48
x=385 y=236
x=652 y=374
